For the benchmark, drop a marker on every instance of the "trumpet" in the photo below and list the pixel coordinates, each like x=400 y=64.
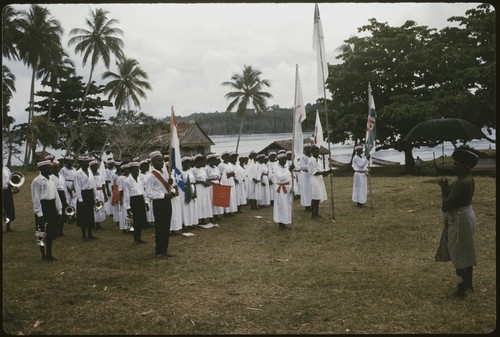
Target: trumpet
x=16 y=180
x=70 y=211
x=98 y=205
x=41 y=235
x=129 y=222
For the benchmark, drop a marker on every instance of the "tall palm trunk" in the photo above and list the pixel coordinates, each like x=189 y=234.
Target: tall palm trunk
x=239 y=133
x=49 y=113
x=85 y=95
x=30 y=135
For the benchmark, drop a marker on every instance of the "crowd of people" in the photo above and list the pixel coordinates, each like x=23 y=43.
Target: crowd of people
x=150 y=192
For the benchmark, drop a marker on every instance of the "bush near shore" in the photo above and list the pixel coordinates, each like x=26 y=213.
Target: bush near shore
x=371 y=271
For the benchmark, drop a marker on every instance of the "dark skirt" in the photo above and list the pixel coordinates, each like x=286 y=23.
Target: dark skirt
x=85 y=210
x=8 y=203
x=138 y=208
x=64 y=203
x=51 y=218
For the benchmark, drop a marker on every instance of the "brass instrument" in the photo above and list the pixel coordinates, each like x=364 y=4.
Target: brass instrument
x=129 y=222
x=98 y=205
x=16 y=180
x=41 y=235
x=70 y=213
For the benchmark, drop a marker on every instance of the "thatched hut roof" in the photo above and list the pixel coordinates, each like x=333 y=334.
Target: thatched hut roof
x=286 y=144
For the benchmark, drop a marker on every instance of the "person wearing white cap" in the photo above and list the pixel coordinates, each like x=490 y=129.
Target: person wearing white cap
x=265 y=199
x=8 y=208
x=47 y=208
x=144 y=168
x=282 y=207
x=68 y=174
x=187 y=198
x=271 y=167
x=359 y=185
x=158 y=189
x=318 y=190
x=457 y=238
x=134 y=201
x=85 y=194
x=304 y=178
x=225 y=167
x=213 y=175
x=122 y=212
x=61 y=190
x=203 y=197
x=110 y=171
x=98 y=181
x=240 y=181
x=256 y=188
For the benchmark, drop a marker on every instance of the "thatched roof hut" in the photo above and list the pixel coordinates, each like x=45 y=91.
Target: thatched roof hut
x=192 y=138
x=286 y=144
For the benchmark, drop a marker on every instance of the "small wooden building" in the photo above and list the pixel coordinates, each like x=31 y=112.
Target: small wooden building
x=192 y=138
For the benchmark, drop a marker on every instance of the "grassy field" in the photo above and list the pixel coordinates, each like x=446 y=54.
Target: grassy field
x=370 y=272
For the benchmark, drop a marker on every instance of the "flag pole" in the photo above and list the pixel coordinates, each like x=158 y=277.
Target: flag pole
x=367 y=140
x=169 y=169
x=327 y=134
x=293 y=138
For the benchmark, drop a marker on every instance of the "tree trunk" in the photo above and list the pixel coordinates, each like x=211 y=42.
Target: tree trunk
x=30 y=118
x=409 y=161
x=239 y=134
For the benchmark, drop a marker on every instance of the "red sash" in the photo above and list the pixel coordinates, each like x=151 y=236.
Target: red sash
x=160 y=178
x=282 y=187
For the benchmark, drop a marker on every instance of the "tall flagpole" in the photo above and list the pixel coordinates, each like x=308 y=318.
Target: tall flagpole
x=327 y=123
x=368 y=143
x=294 y=130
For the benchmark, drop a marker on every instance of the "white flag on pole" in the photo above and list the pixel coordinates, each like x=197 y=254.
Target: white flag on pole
x=175 y=153
x=318 y=131
x=319 y=48
x=299 y=116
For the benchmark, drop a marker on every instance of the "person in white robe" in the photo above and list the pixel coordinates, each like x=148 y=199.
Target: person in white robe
x=122 y=212
x=227 y=167
x=359 y=186
x=188 y=197
x=213 y=175
x=240 y=181
x=203 y=201
x=318 y=190
x=305 y=178
x=144 y=171
x=271 y=167
x=282 y=207
x=110 y=171
x=265 y=199
x=67 y=172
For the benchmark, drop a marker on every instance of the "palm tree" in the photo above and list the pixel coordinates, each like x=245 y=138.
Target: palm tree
x=99 y=41
x=10 y=33
x=127 y=84
x=248 y=88
x=40 y=37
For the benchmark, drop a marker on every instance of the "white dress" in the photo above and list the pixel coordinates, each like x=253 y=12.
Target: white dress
x=318 y=190
x=359 y=186
x=98 y=181
x=265 y=199
x=189 y=210
x=203 y=199
x=282 y=208
x=305 y=182
x=233 y=201
x=213 y=174
x=241 y=186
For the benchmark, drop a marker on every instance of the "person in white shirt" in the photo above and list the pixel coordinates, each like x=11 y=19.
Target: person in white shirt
x=282 y=207
x=265 y=199
x=213 y=175
x=134 y=201
x=122 y=212
x=85 y=194
x=8 y=209
x=143 y=175
x=227 y=167
x=68 y=173
x=318 y=190
x=158 y=189
x=61 y=187
x=188 y=197
x=240 y=181
x=47 y=208
x=304 y=179
x=271 y=167
x=98 y=182
x=110 y=171
x=203 y=197
x=359 y=186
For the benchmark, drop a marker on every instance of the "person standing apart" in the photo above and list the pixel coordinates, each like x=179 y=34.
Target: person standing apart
x=134 y=202
x=283 y=198
x=457 y=238
x=359 y=186
x=85 y=194
x=8 y=209
x=159 y=191
x=318 y=190
x=47 y=208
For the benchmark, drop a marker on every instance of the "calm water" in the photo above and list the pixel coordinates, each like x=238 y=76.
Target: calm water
x=340 y=152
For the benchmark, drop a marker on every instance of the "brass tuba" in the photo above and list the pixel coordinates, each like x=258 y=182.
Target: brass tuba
x=41 y=235
x=129 y=222
x=70 y=211
x=16 y=180
x=98 y=205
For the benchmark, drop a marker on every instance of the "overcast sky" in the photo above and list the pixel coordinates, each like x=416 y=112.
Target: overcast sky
x=188 y=50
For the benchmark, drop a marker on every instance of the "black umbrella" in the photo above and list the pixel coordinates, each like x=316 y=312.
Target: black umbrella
x=444 y=129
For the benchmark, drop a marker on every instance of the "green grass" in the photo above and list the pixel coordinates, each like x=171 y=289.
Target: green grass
x=372 y=271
